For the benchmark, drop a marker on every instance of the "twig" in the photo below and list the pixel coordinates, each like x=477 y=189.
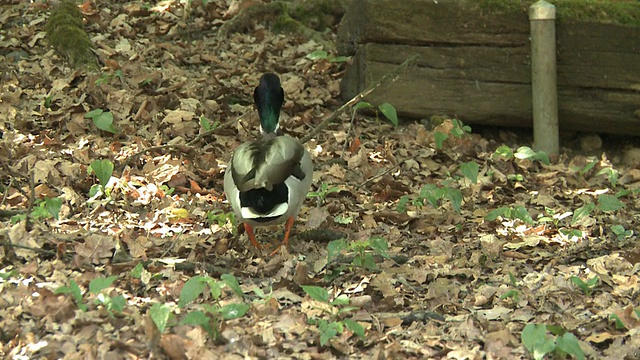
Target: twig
x=392 y=76
x=18 y=246
x=387 y=171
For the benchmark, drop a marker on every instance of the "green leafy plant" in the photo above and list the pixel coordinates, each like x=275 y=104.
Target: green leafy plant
x=433 y=195
x=96 y=286
x=470 y=170
x=388 y=110
x=512 y=293
x=323 y=55
x=5 y=275
x=612 y=174
x=536 y=339
x=510 y=212
x=167 y=190
x=587 y=167
x=621 y=232
x=503 y=151
x=226 y=220
x=606 y=203
x=586 y=287
x=334 y=321
x=103 y=120
x=207 y=125
x=208 y=315
x=322 y=192
x=458 y=130
x=525 y=152
x=362 y=254
x=106 y=78
x=103 y=169
x=43 y=209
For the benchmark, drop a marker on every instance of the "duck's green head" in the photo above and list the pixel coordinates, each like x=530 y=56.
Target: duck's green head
x=269 y=98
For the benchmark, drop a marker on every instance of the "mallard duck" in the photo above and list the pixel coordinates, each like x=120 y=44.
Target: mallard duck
x=268 y=179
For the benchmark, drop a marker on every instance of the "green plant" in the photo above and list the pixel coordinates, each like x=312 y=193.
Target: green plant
x=470 y=170
x=612 y=174
x=223 y=219
x=103 y=169
x=323 y=55
x=510 y=212
x=322 y=192
x=103 y=120
x=457 y=130
x=621 y=232
x=525 y=152
x=362 y=252
x=433 y=195
x=106 y=78
x=586 y=287
x=96 y=286
x=334 y=311
x=606 y=203
x=207 y=125
x=208 y=315
x=503 y=151
x=43 y=209
x=512 y=293
x=388 y=110
x=167 y=190
x=561 y=343
x=587 y=167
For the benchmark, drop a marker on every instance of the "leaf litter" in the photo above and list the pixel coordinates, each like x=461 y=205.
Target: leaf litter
x=456 y=285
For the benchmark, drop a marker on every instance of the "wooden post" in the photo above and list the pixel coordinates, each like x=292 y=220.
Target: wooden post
x=542 y=17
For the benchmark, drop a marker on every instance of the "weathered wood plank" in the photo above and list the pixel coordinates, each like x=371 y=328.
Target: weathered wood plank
x=476 y=66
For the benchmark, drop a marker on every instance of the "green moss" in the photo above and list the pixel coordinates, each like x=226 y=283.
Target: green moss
x=66 y=34
x=623 y=12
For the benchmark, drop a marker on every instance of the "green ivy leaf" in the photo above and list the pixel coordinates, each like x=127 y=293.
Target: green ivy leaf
x=53 y=206
x=493 y=214
x=160 y=314
x=103 y=170
x=362 y=105
x=440 y=138
x=191 y=290
x=609 y=203
x=234 y=311
x=117 y=303
x=354 y=327
x=534 y=338
x=205 y=123
x=470 y=171
x=103 y=120
x=334 y=248
x=233 y=284
x=389 y=112
x=582 y=212
x=99 y=284
x=503 y=151
x=570 y=345
x=317 y=55
x=316 y=293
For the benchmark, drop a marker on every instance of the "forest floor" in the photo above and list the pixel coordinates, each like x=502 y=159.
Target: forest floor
x=410 y=246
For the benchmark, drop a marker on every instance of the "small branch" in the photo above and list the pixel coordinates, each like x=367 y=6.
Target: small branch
x=18 y=246
x=392 y=76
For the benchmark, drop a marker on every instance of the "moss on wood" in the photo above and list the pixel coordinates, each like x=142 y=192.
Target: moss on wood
x=66 y=34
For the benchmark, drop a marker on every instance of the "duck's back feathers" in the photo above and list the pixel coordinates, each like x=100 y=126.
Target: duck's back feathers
x=267 y=162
